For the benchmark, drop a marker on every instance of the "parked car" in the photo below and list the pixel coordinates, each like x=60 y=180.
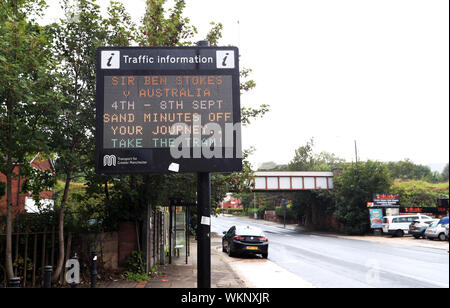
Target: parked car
x=418 y=228
x=399 y=225
x=240 y=240
x=446 y=231
x=437 y=230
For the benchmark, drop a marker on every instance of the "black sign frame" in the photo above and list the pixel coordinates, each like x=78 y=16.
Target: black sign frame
x=159 y=159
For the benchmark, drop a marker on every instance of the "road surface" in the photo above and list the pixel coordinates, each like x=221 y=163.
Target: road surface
x=329 y=262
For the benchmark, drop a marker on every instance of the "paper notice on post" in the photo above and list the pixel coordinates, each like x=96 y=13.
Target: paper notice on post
x=174 y=167
x=206 y=221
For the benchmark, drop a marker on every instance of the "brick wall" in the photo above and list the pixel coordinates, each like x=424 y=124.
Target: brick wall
x=108 y=246
x=127 y=239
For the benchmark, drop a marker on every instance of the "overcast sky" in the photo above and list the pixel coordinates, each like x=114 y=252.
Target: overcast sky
x=374 y=71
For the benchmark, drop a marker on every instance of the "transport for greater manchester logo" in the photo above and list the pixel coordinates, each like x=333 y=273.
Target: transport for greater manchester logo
x=109 y=160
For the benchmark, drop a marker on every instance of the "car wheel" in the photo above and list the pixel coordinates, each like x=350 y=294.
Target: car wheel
x=223 y=248
x=399 y=233
x=417 y=237
x=230 y=252
x=265 y=255
x=442 y=237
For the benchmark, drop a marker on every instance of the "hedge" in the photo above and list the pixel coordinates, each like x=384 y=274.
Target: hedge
x=232 y=211
x=290 y=214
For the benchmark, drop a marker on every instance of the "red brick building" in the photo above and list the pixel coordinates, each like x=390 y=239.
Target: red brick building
x=231 y=203
x=19 y=200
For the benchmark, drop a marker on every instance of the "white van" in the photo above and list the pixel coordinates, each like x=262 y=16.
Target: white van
x=399 y=225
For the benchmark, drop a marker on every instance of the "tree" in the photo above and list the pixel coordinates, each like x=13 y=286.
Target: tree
x=26 y=94
x=303 y=159
x=419 y=193
x=445 y=174
x=168 y=27
x=325 y=161
x=354 y=187
x=408 y=169
x=76 y=40
x=271 y=166
x=306 y=160
x=128 y=196
x=157 y=30
x=247 y=200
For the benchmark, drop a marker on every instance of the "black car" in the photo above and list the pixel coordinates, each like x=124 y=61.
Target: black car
x=245 y=240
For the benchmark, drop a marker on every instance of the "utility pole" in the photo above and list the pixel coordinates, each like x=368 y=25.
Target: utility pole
x=356 y=152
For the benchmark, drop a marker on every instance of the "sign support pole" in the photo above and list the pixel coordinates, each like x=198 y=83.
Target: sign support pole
x=204 y=223
x=204 y=230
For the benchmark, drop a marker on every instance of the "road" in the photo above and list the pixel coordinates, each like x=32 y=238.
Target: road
x=329 y=262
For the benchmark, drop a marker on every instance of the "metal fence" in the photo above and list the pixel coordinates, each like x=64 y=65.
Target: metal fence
x=32 y=252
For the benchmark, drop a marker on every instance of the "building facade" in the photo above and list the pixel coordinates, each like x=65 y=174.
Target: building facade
x=23 y=202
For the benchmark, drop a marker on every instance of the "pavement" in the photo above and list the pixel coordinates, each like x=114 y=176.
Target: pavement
x=182 y=275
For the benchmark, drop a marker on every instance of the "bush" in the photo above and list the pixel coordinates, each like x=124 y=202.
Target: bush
x=355 y=187
x=420 y=193
x=290 y=213
x=252 y=211
x=260 y=211
x=238 y=212
x=135 y=263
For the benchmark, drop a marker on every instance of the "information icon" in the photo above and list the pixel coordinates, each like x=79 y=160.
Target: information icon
x=225 y=59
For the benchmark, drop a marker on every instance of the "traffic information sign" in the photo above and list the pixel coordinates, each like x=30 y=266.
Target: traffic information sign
x=168 y=110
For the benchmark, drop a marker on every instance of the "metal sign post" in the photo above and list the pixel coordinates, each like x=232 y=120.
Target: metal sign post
x=204 y=230
x=204 y=223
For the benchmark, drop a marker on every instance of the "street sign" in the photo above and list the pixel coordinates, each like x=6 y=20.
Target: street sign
x=386 y=200
x=376 y=218
x=162 y=110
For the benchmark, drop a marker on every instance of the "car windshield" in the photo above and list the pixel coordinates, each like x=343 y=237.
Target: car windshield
x=249 y=231
x=434 y=224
